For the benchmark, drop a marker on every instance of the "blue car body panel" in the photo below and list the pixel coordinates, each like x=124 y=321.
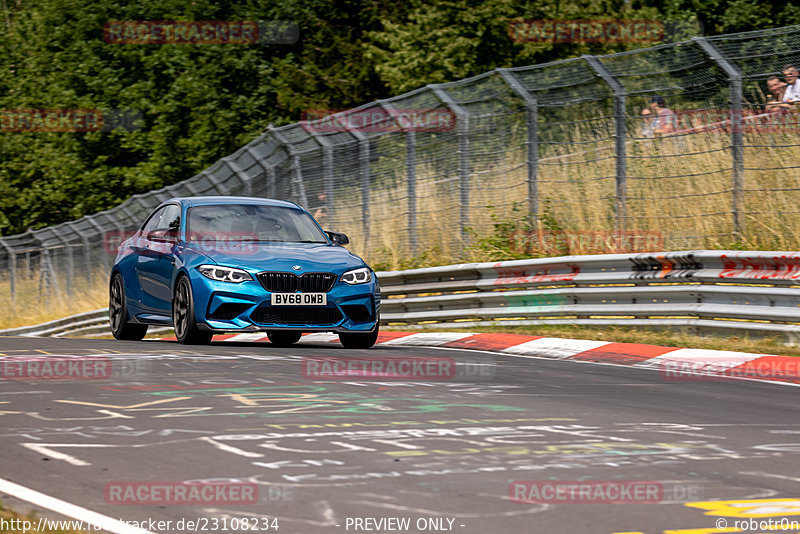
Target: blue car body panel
x=150 y=270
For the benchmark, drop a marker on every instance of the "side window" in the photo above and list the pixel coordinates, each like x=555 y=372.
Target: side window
x=152 y=222
x=171 y=218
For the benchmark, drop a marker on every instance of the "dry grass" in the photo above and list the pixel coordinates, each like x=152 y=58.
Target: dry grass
x=33 y=307
x=677 y=187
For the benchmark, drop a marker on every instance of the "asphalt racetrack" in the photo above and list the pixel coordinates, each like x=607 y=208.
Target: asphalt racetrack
x=503 y=444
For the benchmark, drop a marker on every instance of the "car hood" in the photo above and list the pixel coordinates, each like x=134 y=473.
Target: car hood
x=270 y=256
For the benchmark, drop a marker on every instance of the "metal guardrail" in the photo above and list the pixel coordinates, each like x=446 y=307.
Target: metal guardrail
x=719 y=292
x=703 y=291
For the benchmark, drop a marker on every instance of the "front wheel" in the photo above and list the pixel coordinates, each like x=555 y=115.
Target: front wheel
x=183 y=316
x=359 y=341
x=118 y=313
x=283 y=339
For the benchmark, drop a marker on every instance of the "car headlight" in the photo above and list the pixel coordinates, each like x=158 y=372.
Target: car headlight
x=224 y=274
x=357 y=276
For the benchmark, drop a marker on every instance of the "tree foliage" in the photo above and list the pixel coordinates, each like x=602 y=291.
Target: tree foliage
x=202 y=102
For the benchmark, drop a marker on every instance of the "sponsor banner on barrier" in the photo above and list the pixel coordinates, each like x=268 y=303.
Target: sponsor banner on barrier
x=784 y=267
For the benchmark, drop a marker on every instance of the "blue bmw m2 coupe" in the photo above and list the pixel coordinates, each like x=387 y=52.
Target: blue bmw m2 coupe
x=207 y=265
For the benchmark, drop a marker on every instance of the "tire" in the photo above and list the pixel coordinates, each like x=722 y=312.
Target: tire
x=359 y=341
x=283 y=339
x=121 y=328
x=183 y=316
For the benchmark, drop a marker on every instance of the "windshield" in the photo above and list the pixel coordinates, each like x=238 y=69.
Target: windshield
x=248 y=222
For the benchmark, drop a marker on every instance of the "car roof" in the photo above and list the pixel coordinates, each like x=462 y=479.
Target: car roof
x=216 y=200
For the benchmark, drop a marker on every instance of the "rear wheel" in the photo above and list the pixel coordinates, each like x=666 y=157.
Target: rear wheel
x=118 y=313
x=186 y=329
x=283 y=339
x=359 y=341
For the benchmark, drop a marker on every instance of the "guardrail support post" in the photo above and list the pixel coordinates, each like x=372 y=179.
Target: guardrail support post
x=737 y=142
x=620 y=134
x=532 y=126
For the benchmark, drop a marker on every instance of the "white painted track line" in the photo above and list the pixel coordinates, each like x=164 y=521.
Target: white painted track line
x=70 y=510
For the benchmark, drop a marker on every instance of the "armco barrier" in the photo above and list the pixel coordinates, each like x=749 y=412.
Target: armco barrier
x=704 y=291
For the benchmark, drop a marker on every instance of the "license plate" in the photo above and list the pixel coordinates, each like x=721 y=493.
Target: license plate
x=299 y=299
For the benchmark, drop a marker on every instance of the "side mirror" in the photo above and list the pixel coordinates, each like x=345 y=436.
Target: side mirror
x=338 y=238
x=163 y=235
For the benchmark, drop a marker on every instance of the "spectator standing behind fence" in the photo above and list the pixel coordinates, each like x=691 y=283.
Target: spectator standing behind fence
x=777 y=89
x=321 y=212
x=665 y=121
x=648 y=123
x=792 y=93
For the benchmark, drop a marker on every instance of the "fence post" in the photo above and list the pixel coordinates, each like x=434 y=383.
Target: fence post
x=411 y=170
x=101 y=233
x=87 y=259
x=411 y=176
x=462 y=117
x=363 y=170
x=247 y=182
x=737 y=142
x=364 y=173
x=297 y=178
x=620 y=135
x=69 y=270
x=532 y=127
x=47 y=277
x=12 y=262
x=327 y=175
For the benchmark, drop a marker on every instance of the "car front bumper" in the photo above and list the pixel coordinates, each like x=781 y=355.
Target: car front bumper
x=246 y=307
